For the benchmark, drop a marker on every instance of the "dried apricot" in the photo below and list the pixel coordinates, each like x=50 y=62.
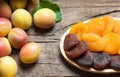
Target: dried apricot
x=96 y=26
x=93 y=41
x=108 y=23
x=100 y=34
x=119 y=51
x=116 y=27
x=112 y=41
x=79 y=29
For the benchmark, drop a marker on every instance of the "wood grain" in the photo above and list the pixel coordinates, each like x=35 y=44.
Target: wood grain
x=51 y=62
x=87 y=3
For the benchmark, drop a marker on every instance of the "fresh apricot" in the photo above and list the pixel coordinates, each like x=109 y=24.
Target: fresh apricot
x=21 y=18
x=79 y=29
x=96 y=25
x=112 y=43
x=93 y=41
x=5 y=48
x=29 y=53
x=5 y=10
x=5 y=27
x=17 y=37
x=44 y=18
x=18 y=4
x=8 y=67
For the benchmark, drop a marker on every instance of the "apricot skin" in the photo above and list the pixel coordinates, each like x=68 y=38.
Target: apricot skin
x=5 y=27
x=5 y=48
x=29 y=53
x=5 y=10
x=17 y=37
x=44 y=18
x=18 y=4
x=8 y=67
x=21 y=18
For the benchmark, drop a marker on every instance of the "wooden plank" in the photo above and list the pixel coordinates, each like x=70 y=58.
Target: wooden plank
x=39 y=70
x=87 y=3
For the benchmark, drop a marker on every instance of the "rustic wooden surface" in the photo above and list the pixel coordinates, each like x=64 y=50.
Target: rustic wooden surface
x=51 y=62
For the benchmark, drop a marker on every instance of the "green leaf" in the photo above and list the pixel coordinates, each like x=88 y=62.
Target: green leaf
x=36 y=8
x=52 y=6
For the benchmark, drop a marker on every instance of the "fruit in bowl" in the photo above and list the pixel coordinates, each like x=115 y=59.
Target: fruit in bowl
x=101 y=36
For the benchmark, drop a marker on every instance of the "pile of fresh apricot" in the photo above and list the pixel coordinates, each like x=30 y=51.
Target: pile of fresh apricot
x=100 y=34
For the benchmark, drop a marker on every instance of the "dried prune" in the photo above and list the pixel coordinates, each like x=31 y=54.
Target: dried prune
x=86 y=59
x=70 y=42
x=78 y=50
x=102 y=60
x=115 y=62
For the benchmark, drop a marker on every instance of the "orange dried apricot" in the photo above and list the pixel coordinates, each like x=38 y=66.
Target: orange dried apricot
x=119 y=52
x=116 y=28
x=100 y=34
x=93 y=41
x=79 y=36
x=96 y=25
x=112 y=43
x=108 y=23
x=79 y=29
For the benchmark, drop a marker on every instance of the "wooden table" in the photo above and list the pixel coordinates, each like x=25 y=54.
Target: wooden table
x=51 y=62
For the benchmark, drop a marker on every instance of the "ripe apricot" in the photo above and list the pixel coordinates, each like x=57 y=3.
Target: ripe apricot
x=44 y=18
x=93 y=41
x=79 y=29
x=96 y=25
x=108 y=23
x=112 y=43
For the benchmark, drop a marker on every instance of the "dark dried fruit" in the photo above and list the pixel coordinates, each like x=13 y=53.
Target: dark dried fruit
x=101 y=60
x=86 y=59
x=78 y=50
x=70 y=42
x=115 y=62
